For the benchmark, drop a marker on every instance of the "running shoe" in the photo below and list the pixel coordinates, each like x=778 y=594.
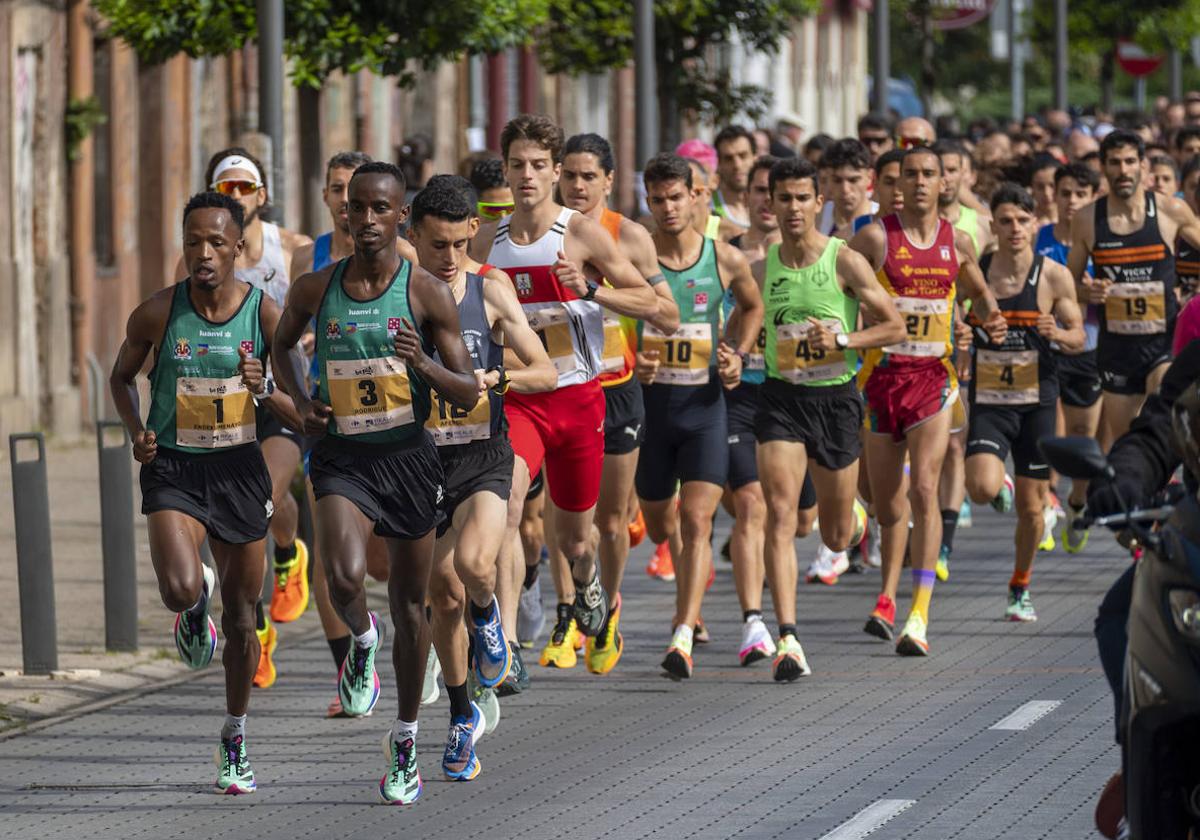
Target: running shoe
x=235 y=775
x=559 y=652
x=860 y=524
x=913 y=641
x=678 y=661
x=1020 y=606
x=429 y=689
x=358 y=683
x=882 y=620
x=604 y=651
x=591 y=605
x=756 y=642
x=1074 y=539
x=874 y=553
x=1110 y=807
x=335 y=709
x=637 y=530
x=492 y=656
x=661 y=565
x=1004 y=499
x=401 y=785
x=1049 y=520
x=485 y=699
x=458 y=761
x=1056 y=505
x=700 y=634
x=828 y=566
x=964 y=514
x=289 y=599
x=268 y=640
x=531 y=614
x=726 y=553
x=942 y=569
x=195 y=632
x=790 y=664
x=517 y=680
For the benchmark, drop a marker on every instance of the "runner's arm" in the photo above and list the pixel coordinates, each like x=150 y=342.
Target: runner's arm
x=734 y=265
x=437 y=318
x=1189 y=224
x=279 y=403
x=972 y=285
x=628 y=293
x=1083 y=233
x=871 y=242
x=639 y=245
x=481 y=244
x=145 y=326
x=537 y=372
x=303 y=300
x=1065 y=325
x=302 y=260
x=879 y=312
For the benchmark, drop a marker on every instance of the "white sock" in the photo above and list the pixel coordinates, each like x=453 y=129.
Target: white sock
x=402 y=730
x=369 y=638
x=685 y=631
x=235 y=726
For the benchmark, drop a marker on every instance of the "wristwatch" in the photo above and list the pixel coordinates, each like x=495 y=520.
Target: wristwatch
x=591 y=290
x=843 y=340
x=266 y=392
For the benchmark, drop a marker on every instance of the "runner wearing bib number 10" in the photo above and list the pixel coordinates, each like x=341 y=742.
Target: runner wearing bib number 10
x=203 y=473
x=684 y=373
x=809 y=411
x=375 y=468
x=1014 y=383
x=926 y=266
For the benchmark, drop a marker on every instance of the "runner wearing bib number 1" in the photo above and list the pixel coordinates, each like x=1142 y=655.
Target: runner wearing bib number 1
x=203 y=473
x=375 y=468
x=1014 y=383
x=926 y=266
x=683 y=373
x=810 y=412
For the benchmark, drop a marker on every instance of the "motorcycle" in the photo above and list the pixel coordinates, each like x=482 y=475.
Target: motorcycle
x=1160 y=719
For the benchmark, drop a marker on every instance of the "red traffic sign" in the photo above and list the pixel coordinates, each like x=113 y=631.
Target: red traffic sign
x=959 y=14
x=1134 y=60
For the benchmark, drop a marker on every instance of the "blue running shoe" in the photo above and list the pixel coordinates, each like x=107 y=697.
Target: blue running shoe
x=195 y=632
x=492 y=656
x=459 y=762
x=358 y=683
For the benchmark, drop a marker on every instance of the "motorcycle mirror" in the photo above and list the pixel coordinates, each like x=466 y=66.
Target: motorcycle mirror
x=1075 y=457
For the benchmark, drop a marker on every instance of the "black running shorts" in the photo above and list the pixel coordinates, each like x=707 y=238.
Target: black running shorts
x=482 y=466
x=1125 y=362
x=1079 y=380
x=624 y=418
x=995 y=430
x=686 y=439
x=826 y=419
x=741 y=404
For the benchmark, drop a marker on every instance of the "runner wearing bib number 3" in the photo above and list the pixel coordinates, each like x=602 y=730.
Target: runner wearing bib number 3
x=1014 y=383
x=203 y=473
x=375 y=468
x=683 y=372
x=926 y=266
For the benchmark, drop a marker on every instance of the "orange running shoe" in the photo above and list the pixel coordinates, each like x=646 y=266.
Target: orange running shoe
x=289 y=599
x=661 y=565
x=637 y=530
x=268 y=640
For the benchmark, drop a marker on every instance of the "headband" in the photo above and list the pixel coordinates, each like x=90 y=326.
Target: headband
x=235 y=162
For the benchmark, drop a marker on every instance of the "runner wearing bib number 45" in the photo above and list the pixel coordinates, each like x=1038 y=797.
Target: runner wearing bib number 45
x=684 y=373
x=375 y=468
x=1014 y=383
x=203 y=473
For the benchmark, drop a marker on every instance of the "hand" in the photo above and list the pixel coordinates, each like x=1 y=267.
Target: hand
x=820 y=337
x=1047 y=327
x=487 y=379
x=308 y=342
x=145 y=447
x=315 y=415
x=963 y=336
x=646 y=367
x=407 y=345
x=962 y=365
x=729 y=366
x=253 y=375
x=996 y=327
x=1102 y=494
x=1096 y=291
x=569 y=274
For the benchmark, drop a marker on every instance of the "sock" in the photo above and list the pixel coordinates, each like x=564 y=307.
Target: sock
x=531 y=576
x=751 y=615
x=285 y=554
x=235 y=727
x=260 y=618
x=949 y=523
x=787 y=630
x=403 y=731
x=460 y=702
x=367 y=639
x=684 y=633
x=480 y=614
x=201 y=602
x=922 y=583
x=340 y=648
x=1020 y=580
x=564 y=612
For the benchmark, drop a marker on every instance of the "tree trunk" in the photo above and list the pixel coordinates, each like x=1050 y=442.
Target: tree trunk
x=312 y=160
x=1106 y=82
x=668 y=101
x=928 y=79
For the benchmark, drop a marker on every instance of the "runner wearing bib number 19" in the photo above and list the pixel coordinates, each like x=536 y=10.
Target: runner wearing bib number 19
x=684 y=373
x=910 y=387
x=203 y=473
x=375 y=468
x=1014 y=383
x=809 y=411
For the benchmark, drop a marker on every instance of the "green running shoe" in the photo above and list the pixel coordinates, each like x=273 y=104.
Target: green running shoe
x=486 y=700
x=942 y=569
x=358 y=683
x=430 y=691
x=1003 y=503
x=1074 y=539
x=1049 y=520
x=195 y=632
x=235 y=775
x=1020 y=606
x=401 y=785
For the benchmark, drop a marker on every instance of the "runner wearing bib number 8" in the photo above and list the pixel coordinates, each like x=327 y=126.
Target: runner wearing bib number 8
x=1014 y=384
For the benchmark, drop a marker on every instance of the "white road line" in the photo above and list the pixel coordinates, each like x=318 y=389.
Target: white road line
x=869 y=819
x=1027 y=715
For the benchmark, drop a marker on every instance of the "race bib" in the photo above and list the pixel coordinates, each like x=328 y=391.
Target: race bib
x=613 y=357
x=684 y=356
x=213 y=413
x=800 y=362
x=369 y=395
x=450 y=425
x=1006 y=377
x=552 y=323
x=1136 y=309
x=927 y=322
x=756 y=360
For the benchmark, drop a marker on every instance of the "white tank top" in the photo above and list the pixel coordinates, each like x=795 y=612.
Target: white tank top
x=571 y=329
x=270 y=273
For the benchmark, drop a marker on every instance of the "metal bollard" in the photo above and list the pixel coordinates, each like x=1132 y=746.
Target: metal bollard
x=35 y=566
x=116 y=540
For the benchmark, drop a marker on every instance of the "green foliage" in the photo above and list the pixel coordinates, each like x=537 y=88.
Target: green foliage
x=160 y=29
x=82 y=115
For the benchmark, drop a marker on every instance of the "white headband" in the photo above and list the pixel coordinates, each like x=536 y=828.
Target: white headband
x=236 y=162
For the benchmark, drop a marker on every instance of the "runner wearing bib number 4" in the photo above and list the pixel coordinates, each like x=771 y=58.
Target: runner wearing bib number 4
x=375 y=468
x=809 y=412
x=1014 y=383
x=926 y=266
x=684 y=373
x=203 y=473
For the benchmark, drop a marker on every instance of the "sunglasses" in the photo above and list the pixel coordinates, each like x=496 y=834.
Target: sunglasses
x=240 y=187
x=494 y=210
x=873 y=140
x=911 y=142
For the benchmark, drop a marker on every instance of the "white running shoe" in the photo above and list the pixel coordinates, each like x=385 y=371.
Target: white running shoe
x=433 y=668
x=756 y=642
x=828 y=566
x=873 y=554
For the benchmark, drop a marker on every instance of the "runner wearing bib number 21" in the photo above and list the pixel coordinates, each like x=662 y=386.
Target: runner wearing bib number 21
x=375 y=468
x=926 y=266
x=684 y=373
x=1014 y=383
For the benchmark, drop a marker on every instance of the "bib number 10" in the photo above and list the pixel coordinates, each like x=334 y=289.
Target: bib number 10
x=678 y=352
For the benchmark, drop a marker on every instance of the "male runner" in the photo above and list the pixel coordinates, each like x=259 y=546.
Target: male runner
x=764 y=227
x=203 y=473
x=495 y=198
x=587 y=178
x=735 y=156
x=1014 y=385
x=1041 y=186
x=1129 y=235
x=1164 y=175
x=810 y=414
x=1075 y=186
x=1186 y=144
x=926 y=266
x=375 y=467
x=875 y=132
x=950 y=207
x=1187 y=258
x=684 y=372
x=555 y=257
x=477 y=460
x=887 y=183
x=849 y=188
